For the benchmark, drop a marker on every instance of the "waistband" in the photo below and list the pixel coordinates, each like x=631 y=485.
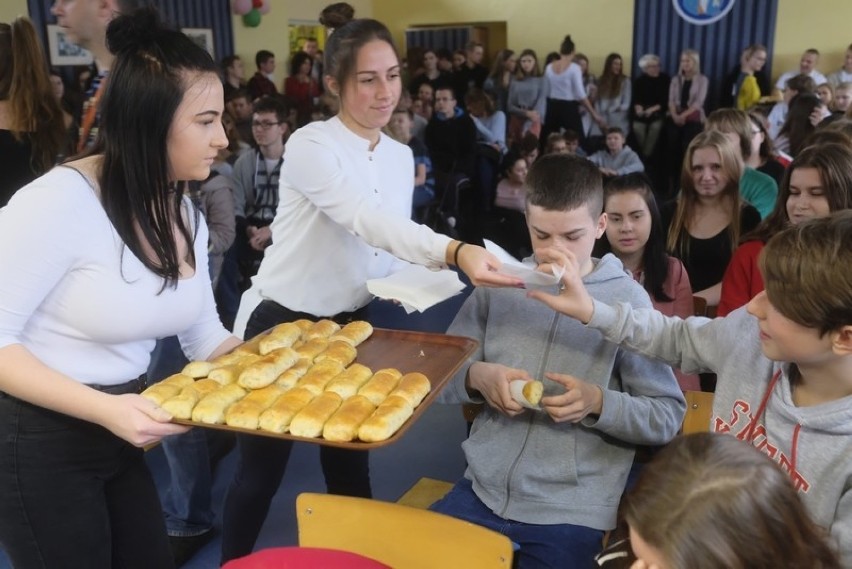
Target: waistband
x=133 y=386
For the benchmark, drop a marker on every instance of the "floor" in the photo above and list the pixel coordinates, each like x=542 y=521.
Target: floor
x=431 y=448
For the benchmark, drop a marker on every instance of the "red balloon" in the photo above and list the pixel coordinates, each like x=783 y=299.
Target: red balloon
x=256 y=3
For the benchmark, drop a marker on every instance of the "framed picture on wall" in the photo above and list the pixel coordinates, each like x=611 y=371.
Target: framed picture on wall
x=203 y=37
x=63 y=51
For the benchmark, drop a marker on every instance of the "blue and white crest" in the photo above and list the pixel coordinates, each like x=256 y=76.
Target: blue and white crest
x=703 y=12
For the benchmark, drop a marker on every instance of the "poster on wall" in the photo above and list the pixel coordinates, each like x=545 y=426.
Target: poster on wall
x=63 y=51
x=302 y=31
x=703 y=12
x=203 y=37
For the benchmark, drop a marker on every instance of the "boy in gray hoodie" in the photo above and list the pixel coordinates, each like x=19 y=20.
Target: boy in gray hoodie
x=551 y=479
x=783 y=361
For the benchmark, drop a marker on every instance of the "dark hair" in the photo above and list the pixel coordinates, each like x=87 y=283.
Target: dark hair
x=706 y=500
x=146 y=85
x=443 y=53
x=797 y=126
x=536 y=71
x=834 y=164
x=767 y=149
x=655 y=261
x=336 y=15
x=262 y=57
x=25 y=83
x=610 y=84
x=570 y=135
x=298 y=59
x=476 y=96
x=239 y=94
x=341 y=49
x=561 y=182
x=550 y=58
x=272 y=105
x=228 y=61
x=801 y=83
x=615 y=130
x=508 y=161
x=567 y=46
x=498 y=67
x=528 y=143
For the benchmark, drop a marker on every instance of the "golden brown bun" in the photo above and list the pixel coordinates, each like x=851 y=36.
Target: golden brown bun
x=533 y=390
x=159 y=392
x=304 y=324
x=211 y=408
x=267 y=369
x=413 y=387
x=344 y=424
x=198 y=369
x=277 y=418
x=250 y=347
x=180 y=406
x=340 y=352
x=309 y=421
x=386 y=420
x=235 y=358
x=350 y=380
x=226 y=374
x=353 y=333
x=179 y=380
x=319 y=375
x=282 y=336
x=246 y=412
x=321 y=329
x=204 y=386
x=289 y=378
x=380 y=385
x=312 y=348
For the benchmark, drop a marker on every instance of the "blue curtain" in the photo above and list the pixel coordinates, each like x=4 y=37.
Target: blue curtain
x=437 y=38
x=657 y=28
x=213 y=14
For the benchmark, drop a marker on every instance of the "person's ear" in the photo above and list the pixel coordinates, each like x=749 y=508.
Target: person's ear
x=332 y=86
x=601 y=226
x=841 y=340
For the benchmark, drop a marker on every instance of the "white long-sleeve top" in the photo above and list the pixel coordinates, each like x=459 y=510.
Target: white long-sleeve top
x=343 y=218
x=568 y=85
x=75 y=296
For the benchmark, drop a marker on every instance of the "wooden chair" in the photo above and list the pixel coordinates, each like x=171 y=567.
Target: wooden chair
x=699 y=410
x=402 y=537
x=701 y=308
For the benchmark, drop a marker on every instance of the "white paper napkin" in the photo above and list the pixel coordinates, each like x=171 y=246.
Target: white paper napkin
x=526 y=272
x=416 y=287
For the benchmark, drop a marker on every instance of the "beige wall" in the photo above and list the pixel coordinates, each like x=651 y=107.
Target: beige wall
x=272 y=33
x=11 y=9
x=537 y=24
x=823 y=25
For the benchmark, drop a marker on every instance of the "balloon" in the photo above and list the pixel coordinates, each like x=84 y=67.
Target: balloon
x=256 y=3
x=240 y=7
x=264 y=9
x=252 y=19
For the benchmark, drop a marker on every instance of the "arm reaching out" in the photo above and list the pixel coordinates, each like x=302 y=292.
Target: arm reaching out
x=573 y=300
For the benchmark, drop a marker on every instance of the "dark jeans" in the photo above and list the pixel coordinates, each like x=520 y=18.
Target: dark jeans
x=262 y=461
x=74 y=495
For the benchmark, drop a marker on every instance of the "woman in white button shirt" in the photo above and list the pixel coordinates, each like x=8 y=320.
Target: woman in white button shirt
x=343 y=218
x=565 y=79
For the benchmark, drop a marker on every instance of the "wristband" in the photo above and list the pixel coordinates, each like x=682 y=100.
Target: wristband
x=456 y=254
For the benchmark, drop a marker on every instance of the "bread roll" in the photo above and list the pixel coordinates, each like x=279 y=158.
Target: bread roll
x=321 y=329
x=198 y=369
x=289 y=378
x=246 y=412
x=277 y=418
x=386 y=420
x=353 y=333
x=339 y=352
x=267 y=369
x=320 y=375
x=178 y=379
x=282 y=336
x=344 y=424
x=527 y=393
x=380 y=385
x=309 y=421
x=160 y=392
x=304 y=324
x=250 y=347
x=211 y=408
x=204 y=386
x=413 y=387
x=226 y=374
x=180 y=406
x=312 y=348
x=234 y=358
x=348 y=382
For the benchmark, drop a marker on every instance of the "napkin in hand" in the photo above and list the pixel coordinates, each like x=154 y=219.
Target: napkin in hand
x=416 y=287
x=524 y=271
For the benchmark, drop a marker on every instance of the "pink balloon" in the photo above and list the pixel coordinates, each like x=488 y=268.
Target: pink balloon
x=265 y=7
x=241 y=7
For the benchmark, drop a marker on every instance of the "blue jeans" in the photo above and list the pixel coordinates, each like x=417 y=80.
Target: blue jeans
x=72 y=495
x=541 y=546
x=187 y=500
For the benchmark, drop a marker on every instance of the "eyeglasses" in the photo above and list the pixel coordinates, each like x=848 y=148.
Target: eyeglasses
x=263 y=125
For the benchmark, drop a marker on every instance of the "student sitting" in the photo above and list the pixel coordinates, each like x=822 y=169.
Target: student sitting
x=784 y=363
x=707 y=500
x=617 y=159
x=400 y=127
x=551 y=478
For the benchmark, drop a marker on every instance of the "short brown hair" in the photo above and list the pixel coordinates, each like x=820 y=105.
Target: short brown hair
x=735 y=121
x=707 y=499
x=342 y=47
x=562 y=182
x=807 y=271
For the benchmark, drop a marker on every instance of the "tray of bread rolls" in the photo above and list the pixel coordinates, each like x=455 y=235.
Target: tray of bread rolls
x=351 y=387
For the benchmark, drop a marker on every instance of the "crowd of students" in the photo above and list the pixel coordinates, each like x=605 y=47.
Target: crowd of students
x=333 y=171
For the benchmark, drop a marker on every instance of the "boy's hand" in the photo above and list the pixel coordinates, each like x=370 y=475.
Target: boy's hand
x=573 y=299
x=579 y=400
x=492 y=381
